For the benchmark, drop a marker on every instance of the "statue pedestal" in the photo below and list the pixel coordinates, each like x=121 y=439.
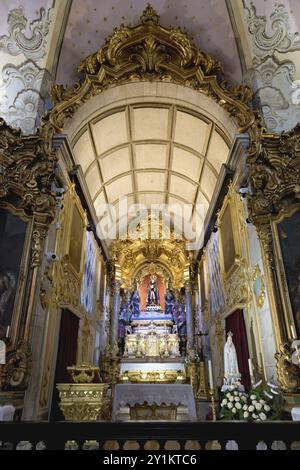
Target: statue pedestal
x=82 y=401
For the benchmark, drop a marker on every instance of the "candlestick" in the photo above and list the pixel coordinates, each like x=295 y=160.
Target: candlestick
x=294 y=336
x=213 y=404
x=7 y=332
x=210 y=375
x=250 y=366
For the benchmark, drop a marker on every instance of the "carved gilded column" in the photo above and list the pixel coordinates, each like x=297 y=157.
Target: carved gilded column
x=115 y=315
x=189 y=316
x=266 y=242
x=38 y=237
x=274 y=178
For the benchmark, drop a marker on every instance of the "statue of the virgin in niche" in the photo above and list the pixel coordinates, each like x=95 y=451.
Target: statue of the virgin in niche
x=231 y=368
x=152 y=292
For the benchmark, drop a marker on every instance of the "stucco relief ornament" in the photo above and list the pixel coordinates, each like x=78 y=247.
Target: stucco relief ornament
x=279 y=39
x=17 y=42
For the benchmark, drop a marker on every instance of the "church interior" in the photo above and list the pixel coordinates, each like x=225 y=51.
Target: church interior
x=149 y=224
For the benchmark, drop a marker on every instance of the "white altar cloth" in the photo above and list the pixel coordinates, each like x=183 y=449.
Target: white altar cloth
x=177 y=394
x=146 y=367
x=7 y=413
x=296 y=413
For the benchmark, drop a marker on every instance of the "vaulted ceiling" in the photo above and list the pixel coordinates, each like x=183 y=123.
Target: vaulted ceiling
x=152 y=154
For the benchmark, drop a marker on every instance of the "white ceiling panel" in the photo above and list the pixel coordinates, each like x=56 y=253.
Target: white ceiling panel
x=151 y=181
x=208 y=181
x=115 y=163
x=118 y=188
x=191 y=131
x=83 y=151
x=110 y=132
x=93 y=181
x=183 y=188
x=186 y=163
x=218 y=151
x=150 y=123
x=150 y=156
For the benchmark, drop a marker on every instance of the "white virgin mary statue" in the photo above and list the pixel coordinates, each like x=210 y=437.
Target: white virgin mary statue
x=231 y=368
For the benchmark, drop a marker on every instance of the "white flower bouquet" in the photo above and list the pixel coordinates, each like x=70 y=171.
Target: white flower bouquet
x=233 y=403
x=261 y=403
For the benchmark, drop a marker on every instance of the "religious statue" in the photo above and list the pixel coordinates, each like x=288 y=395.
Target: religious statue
x=135 y=303
x=169 y=303
x=181 y=320
x=163 y=346
x=7 y=288
x=141 y=346
x=231 y=368
x=152 y=292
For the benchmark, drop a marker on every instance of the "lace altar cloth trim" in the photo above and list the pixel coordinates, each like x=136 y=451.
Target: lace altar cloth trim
x=176 y=394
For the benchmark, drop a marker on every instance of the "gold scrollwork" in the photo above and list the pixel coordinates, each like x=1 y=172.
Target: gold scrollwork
x=259 y=286
x=14 y=374
x=287 y=372
x=149 y=51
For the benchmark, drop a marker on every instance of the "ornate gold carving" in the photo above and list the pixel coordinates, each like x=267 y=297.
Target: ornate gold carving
x=259 y=286
x=132 y=256
x=287 y=372
x=83 y=401
x=26 y=173
x=274 y=178
x=202 y=392
x=149 y=51
x=151 y=345
x=237 y=288
x=153 y=376
x=84 y=373
x=274 y=175
x=153 y=412
x=110 y=366
x=15 y=373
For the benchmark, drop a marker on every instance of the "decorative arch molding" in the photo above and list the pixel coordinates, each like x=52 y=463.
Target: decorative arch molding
x=151 y=52
x=129 y=256
x=153 y=268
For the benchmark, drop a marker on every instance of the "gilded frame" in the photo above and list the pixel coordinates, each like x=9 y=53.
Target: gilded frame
x=23 y=275
x=280 y=269
x=229 y=209
x=260 y=294
x=77 y=211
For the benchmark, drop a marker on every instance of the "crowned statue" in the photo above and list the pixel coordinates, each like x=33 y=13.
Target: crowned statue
x=152 y=292
x=231 y=368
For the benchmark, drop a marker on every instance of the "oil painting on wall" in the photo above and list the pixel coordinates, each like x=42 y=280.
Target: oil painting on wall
x=289 y=236
x=227 y=240
x=76 y=240
x=12 y=240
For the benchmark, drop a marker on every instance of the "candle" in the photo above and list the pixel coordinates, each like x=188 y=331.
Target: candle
x=293 y=332
x=250 y=367
x=7 y=331
x=210 y=375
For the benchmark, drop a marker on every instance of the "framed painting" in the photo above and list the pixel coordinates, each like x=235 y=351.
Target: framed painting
x=76 y=239
x=14 y=252
x=287 y=236
x=229 y=242
x=202 y=283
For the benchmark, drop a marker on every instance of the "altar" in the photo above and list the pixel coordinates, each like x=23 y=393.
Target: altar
x=154 y=402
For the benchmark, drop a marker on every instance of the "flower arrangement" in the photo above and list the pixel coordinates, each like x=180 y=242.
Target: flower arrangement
x=261 y=403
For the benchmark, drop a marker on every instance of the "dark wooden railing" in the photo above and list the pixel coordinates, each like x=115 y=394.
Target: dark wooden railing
x=151 y=435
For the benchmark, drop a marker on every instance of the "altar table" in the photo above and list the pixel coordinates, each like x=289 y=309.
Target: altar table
x=176 y=394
